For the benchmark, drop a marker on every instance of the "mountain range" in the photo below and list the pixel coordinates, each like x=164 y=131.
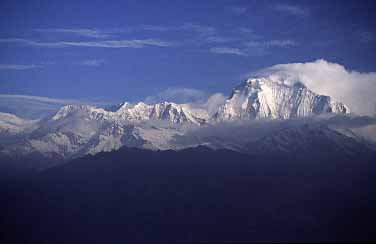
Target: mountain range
x=76 y=130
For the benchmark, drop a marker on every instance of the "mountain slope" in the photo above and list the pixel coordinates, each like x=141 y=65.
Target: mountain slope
x=309 y=141
x=193 y=195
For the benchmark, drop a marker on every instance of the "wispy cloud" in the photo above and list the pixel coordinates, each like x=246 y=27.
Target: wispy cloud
x=229 y=50
x=254 y=48
x=241 y=41
x=203 y=30
x=239 y=9
x=281 y=43
x=19 y=66
x=92 y=33
x=291 y=9
x=90 y=62
x=200 y=34
x=205 y=34
x=137 y=43
x=39 y=99
x=272 y=43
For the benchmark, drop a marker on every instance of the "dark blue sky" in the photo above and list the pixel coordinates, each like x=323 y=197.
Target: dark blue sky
x=127 y=50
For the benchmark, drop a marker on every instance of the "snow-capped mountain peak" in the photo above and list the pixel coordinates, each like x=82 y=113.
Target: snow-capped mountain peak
x=79 y=110
x=167 y=111
x=275 y=98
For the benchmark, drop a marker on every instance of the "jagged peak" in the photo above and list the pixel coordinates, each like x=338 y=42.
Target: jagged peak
x=275 y=97
x=76 y=108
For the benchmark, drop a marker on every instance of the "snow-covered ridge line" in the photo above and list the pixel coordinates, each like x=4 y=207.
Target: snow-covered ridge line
x=168 y=111
x=76 y=130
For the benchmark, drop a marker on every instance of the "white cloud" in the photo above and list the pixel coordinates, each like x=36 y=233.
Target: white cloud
x=39 y=99
x=19 y=66
x=356 y=89
x=291 y=9
x=91 y=62
x=137 y=43
x=229 y=50
x=92 y=33
x=271 y=43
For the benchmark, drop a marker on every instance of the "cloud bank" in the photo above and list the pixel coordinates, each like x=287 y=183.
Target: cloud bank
x=356 y=89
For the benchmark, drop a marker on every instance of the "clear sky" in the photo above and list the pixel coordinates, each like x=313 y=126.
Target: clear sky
x=128 y=50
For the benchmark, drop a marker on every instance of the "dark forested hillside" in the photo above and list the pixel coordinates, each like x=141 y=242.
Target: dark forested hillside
x=193 y=195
